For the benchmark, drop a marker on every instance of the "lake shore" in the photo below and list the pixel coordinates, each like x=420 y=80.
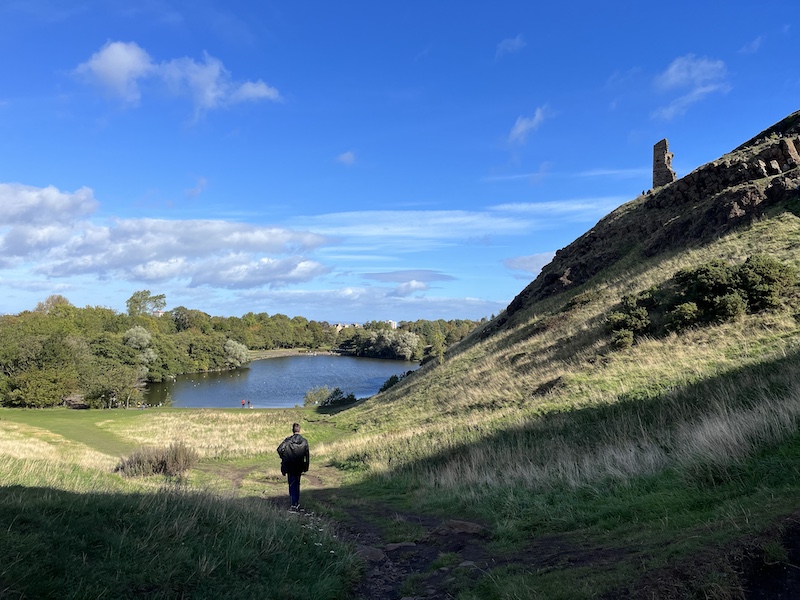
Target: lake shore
x=282 y=352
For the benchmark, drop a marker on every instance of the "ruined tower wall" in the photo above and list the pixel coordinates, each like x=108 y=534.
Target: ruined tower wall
x=663 y=173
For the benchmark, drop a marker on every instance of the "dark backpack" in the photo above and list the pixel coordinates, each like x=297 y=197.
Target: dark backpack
x=293 y=451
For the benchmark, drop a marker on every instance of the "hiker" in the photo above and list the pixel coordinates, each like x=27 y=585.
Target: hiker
x=294 y=462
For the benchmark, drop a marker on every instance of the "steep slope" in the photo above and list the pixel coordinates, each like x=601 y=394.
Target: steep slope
x=679 y=450
x=704 y=205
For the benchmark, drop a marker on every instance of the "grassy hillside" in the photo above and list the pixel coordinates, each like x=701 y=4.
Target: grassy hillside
x=669 y=468
x=681 y=448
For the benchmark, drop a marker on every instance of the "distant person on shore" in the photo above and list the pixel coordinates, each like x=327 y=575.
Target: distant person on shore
x=242 y=402
x=294 y=462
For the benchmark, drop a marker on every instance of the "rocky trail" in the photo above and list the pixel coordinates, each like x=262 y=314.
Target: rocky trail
x=420 y=557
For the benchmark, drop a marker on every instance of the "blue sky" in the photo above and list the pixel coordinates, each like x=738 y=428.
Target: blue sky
x=352 y=161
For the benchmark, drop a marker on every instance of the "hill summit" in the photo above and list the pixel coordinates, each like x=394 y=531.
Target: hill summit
x=707 y=203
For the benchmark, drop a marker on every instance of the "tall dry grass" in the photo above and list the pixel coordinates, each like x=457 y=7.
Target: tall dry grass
x=212 y=433
x=554 y=404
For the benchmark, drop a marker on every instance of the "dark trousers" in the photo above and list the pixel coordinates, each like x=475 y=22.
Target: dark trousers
x=294 y=488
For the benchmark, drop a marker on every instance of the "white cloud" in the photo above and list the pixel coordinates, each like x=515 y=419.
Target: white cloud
x=347 y=158
x=407 y=289
x=254 y=90
x=404 y=231
x=22 y=240
x=120 y=66
x=49 y=232
x=129 y=244
x=525 y=125
x=162 y=270
x=753 y=46
x=689 y=71
x=510 y=46
x=409 y=275
x=699 y=77
x=235 y=271
x=531 y=264
x=28 y=205
x=201 y=184
x=587 y=208
x=204 y=81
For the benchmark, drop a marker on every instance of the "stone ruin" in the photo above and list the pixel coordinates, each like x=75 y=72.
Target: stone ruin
x=663 y=174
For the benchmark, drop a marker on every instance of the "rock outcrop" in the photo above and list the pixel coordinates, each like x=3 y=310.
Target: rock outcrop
x=701 y=206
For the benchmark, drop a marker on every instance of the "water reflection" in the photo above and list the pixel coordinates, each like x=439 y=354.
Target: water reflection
x=277 y=382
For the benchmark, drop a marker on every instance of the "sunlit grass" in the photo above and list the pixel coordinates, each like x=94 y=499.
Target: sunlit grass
x=22 y=441
x=213 y=433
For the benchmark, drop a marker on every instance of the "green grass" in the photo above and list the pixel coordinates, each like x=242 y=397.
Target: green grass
x=164 y=544
x=70 y=527
x=85 y=427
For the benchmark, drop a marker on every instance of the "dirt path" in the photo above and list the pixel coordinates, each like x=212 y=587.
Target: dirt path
x=413 y=556
x=409 y=555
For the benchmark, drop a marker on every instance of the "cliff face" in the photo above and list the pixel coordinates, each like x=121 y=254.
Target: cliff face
x=705 y=204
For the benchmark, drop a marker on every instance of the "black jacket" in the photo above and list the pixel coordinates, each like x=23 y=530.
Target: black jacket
x=294 y=455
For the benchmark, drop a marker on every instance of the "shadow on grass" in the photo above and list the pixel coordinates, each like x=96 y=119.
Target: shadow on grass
x=170 y=544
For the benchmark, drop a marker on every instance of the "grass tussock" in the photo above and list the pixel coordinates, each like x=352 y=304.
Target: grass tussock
x=175 y=459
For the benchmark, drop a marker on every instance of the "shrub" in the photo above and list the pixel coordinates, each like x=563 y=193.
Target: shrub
x=634 y=319
x=622 y=338
x=683 y=316
x=703 y=284
x=337 y=398
x=648 y=298
x=728 y=307
x=763 y=280
x=715 y=292
x=393 y=380
x=638 y=319
x=171 y=461
x=317 y=396
x=616 y=321
x=628 y=302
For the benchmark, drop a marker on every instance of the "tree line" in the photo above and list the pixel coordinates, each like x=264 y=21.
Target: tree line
x=97 y=357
